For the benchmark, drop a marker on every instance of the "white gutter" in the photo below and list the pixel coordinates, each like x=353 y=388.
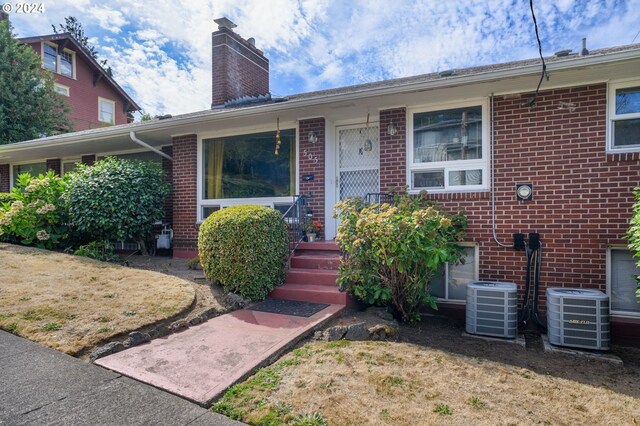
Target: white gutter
x=133 y=137
x=486 y=76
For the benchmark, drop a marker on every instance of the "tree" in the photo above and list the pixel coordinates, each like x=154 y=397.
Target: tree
x=29 y=106
x=75 y=28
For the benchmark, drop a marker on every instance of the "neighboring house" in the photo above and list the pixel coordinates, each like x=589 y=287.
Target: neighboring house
x=468 y=136
x=94 y=98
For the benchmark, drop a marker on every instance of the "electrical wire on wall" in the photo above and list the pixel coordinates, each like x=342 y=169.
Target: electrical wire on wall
x=532 y=100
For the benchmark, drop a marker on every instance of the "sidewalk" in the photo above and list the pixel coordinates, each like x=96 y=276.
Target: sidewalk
x=40 y=386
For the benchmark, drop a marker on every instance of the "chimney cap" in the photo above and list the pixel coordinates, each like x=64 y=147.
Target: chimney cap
x=224 y=22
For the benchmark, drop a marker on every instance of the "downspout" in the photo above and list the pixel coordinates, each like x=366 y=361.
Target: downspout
x=493 y=178
x=133 y=137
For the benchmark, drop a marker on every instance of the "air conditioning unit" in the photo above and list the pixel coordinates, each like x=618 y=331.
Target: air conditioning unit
x=578 y=318
x=492 y=309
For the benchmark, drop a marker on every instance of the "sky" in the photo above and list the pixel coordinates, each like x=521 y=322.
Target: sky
x=160 y=51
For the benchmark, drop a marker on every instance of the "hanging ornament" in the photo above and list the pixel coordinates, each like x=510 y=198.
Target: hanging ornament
x=278 y=141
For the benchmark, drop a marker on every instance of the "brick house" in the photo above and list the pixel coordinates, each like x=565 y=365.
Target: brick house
x=468 y=136
x=94 y=98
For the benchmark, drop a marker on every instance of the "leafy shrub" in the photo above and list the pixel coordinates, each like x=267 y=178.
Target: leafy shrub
x=244 y=248
x=98 y=250
x=5 y=197
x=392 y=252
x=633 y=234
x=34 y=213
x=116 y=199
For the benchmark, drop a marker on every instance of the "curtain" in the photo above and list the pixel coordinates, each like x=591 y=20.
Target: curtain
x=215 y=162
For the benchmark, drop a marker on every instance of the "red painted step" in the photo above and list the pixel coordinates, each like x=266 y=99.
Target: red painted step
x=311 y=293
x=316 y=260
x=319 y=245
x=312 y=276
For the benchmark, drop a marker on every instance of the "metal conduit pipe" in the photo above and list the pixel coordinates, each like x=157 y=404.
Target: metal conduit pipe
x=493 y=179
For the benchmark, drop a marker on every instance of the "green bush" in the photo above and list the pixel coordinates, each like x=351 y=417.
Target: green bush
x=34 y=213
x=392 y=252
x=98 y=250
x=5 y=197
x=116 y=199
x=633 y=234
x=244 y=248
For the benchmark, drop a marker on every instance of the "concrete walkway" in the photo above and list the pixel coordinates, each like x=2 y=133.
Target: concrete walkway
x=202 y=361
x=40 y=386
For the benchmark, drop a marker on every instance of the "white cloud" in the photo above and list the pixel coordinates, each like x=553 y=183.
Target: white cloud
x=162 y=56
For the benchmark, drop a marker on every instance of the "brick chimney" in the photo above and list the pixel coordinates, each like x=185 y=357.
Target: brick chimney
x=238 y=67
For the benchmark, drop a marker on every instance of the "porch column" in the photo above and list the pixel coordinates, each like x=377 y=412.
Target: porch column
x=312 y=158
x=4 y=178
x=167 y=168
x=393 y=150
x=185 y=197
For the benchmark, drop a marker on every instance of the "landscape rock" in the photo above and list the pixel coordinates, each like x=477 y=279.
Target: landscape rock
x=177 y=325
x=336 y=332
x=382 y=332
x=208 y=313
x=357 y=331
x=108 y=349
x=195 y=320
x=135 y=338
x=318 y=335
x=235 y=301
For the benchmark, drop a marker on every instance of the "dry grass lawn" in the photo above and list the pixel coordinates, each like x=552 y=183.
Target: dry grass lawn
x=72 y=303
x=381 y=383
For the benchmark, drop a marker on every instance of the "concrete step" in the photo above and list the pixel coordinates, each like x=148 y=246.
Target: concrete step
x=324 y=277
x=315 y=260
x=311 y=293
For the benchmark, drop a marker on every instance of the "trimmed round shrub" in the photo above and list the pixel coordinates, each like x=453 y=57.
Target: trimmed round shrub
x=244 y=248
x=116 y=199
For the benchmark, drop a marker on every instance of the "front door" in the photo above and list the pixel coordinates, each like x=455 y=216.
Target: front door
x=358 y=161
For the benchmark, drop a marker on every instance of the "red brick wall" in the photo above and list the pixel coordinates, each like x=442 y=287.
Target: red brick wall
x=167 y=167
x=185 y=165
x=83 y=96
x=581 y=200
x=312 y=160
x=54 y=164
x=4 y=178
x=393 y=150
x=238 y=68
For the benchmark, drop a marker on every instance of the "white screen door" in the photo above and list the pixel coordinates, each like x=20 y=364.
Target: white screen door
x=358 y=161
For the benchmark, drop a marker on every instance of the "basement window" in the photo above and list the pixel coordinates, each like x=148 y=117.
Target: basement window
x=621 y=282
x=448 y=149
x=624 y=116
x=450 y=284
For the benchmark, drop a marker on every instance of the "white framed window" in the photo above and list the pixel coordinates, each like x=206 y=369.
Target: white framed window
x=623 y=108
x=59 y=61
x=448 y=148
x=61 y=89
x=621 y=282
x=50 y=57
x=106 y=110
x=243 y=169
x=450 y=284
x=33 y=168
x=70 y=165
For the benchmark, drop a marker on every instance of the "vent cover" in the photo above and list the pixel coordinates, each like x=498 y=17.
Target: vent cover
x=578 y=318
x=492 y=309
